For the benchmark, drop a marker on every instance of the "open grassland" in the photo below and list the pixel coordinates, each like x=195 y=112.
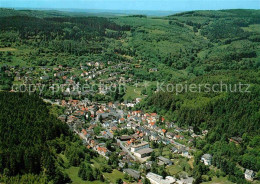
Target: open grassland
x=220 y=180
x=7 y=49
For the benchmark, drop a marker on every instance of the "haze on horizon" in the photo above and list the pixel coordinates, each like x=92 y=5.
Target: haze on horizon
x=162 y=5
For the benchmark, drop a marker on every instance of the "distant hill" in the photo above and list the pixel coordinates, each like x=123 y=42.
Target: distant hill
x=79 y=12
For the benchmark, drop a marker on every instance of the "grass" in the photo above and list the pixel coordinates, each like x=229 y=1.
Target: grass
x=6 y=49
x=73 y=174
x=253 y=28
x=174 y=169
x=220 y=180
x=133 y=92
x=112 y=177
x=178 y=164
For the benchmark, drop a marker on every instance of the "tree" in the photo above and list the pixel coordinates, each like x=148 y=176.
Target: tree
x=119 y=181
x=153 y=157
x=146 y=181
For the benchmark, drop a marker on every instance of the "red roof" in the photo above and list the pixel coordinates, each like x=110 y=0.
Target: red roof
x=153 y=114
x=103 y=149
x=84 y=132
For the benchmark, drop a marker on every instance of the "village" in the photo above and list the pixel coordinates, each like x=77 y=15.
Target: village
x=142 y=141
x=132 y=132
x=137 y=138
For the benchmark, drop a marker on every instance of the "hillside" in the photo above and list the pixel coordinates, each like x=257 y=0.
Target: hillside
x=31 y=141
x=181 y=46
x=49 y=48
x=223 y=114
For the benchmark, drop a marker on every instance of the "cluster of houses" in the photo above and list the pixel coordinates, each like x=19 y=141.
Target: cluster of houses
x=135 y=146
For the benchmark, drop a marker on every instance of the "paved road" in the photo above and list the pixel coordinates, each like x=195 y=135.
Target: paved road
x=124 y=149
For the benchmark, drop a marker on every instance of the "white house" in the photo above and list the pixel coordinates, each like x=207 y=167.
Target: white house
x=249 y=175
x=206 y=159
x=157 y=179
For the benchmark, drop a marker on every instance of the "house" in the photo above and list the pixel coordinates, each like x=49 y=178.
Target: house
x=163 y=160
x=174 y=150
x=63 y=118
x=103 y=151
x=157 y=179
x=205 y=132
x=185 y=153
x=176 y=137
x=249 y=175
x=236 y=140
x=206 y=159
x=169 y=135
x=154 y=137
x=121 y=120
x=44 y=77
x=135 y=174
x=125 y=138
x=153 y=70
x=186 y=180
x=152 y=125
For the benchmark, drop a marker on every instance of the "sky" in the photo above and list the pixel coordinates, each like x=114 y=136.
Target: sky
x=163 y=5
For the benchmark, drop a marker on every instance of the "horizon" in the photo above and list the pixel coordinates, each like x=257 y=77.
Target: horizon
x=130 y=5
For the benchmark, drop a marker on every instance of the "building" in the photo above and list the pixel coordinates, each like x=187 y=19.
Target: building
x=206 y=159
x=125 y=138
x=163 y=160
x=135 y=174
x=140 y=146
x=236 y=140
x=157 y=179
x=143 y=152
x=249 y=175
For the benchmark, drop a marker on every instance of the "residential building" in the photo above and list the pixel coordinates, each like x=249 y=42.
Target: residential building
x=249 y=175
x=135 y=174
x=163 y=160
x=140 y=146
x=157 y=179
x=143 y=152
x=206 y=159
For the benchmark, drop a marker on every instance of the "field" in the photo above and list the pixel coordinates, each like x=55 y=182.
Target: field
x=73 y=174
x=133 y=92
x=220 y=180
x=7 y=49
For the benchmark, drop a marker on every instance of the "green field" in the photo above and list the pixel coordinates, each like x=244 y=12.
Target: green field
x=133 y=92
x=73 y=174
x=220 y=180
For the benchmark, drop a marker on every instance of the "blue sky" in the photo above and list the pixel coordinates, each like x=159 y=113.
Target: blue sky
x=173 y=5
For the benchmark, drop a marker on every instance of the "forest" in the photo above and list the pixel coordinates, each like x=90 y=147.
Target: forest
x=31 y=141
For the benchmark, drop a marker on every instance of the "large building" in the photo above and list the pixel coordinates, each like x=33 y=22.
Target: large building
x=157 y=179
x=140 y=146
x=143 y=152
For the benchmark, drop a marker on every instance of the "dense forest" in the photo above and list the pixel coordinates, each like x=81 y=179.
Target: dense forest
x=31 y=139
